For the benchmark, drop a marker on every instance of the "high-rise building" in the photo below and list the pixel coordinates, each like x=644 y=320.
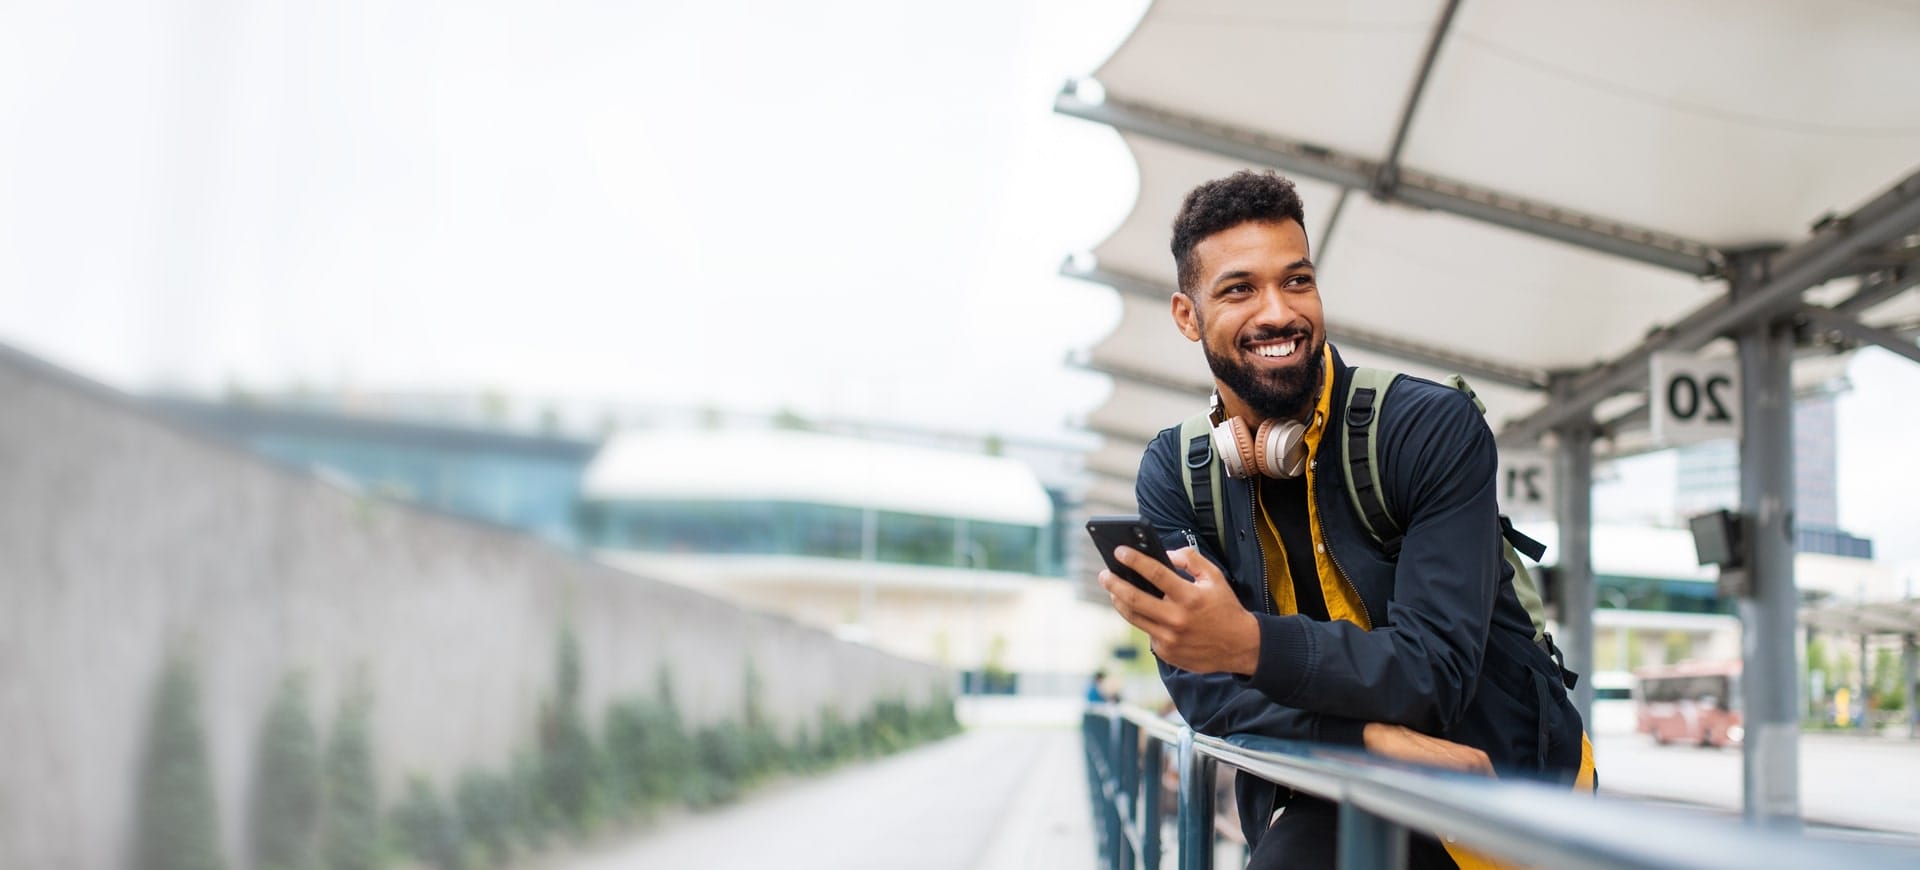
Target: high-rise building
x=1708 y=478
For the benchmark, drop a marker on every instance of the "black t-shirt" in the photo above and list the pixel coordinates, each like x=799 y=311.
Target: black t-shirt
x=1285 y=502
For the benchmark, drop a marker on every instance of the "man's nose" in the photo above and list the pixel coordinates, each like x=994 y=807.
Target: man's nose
x=1275 y=309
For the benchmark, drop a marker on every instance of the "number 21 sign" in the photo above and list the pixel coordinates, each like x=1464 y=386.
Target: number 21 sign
x=1693 y=399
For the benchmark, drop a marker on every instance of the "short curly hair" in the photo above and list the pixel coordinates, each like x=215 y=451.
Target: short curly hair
x=1225 y=203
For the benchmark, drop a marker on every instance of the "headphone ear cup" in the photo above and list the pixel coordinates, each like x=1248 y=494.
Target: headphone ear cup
x=1280 y=449
x=1235 y=446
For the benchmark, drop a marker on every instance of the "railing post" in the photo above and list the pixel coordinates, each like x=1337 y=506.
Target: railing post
x=1109 y=806
x=1196 y=805
x=1127 y=750
x=1369 y=842
x=1097 y=734
x=1153 y=759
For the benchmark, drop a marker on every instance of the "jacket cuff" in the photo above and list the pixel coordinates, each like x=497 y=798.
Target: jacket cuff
x=1286 y=655
x=1341 y=731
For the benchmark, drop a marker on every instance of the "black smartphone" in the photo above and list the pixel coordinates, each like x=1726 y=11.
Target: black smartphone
x=1131 y=531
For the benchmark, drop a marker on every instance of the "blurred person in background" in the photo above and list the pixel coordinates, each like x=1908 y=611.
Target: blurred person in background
x=1101 y=689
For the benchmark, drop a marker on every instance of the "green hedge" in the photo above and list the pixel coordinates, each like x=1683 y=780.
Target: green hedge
x=315 y=807
x=178 y=821
x=350 y=826
x=284 y=819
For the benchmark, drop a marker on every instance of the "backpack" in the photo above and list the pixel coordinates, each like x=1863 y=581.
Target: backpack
x=1366 y=395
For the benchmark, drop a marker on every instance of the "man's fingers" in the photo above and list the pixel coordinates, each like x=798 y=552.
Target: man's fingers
x=1197 y=566
x=1155 y=572
x=1134 y=606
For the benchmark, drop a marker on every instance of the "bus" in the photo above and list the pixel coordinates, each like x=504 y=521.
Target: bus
x=1613 y=708
x=1691 y=702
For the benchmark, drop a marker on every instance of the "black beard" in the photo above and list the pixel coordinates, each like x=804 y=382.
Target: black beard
x=1271 y=393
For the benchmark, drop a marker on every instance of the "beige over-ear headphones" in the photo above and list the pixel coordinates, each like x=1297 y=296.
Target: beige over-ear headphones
x=1277 y=449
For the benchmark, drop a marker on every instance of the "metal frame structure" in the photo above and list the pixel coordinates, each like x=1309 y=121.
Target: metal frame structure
x=1412 y=187
x=1480 y=369
x=1761 y=310
x=1381 y=803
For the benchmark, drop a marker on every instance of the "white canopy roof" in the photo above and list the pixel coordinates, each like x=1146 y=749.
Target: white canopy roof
x=779 y=465
x=1570 y=188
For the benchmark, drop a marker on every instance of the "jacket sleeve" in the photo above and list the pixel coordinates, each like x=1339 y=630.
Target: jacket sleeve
x=1420 y=664
x=1218 y=704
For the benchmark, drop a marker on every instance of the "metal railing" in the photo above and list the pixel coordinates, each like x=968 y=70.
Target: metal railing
x=1525 y=823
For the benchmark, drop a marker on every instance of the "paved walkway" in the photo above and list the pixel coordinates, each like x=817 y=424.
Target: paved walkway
x=1009 y=793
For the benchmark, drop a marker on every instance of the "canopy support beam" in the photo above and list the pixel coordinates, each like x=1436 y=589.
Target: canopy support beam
x=1412 y=187
x=1387 y=176
x=1782 y=277
x=1479 y=369
x=1325 y=243
x=1878 y=289
x=1120 y=371
x=1827 y=318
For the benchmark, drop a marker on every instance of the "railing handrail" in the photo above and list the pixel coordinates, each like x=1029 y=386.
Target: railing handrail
x=1526 y=822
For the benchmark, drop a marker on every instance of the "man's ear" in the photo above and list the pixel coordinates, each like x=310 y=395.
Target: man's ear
x=1185 y=317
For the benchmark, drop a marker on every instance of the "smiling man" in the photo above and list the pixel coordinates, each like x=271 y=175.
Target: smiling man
x=1302 y=621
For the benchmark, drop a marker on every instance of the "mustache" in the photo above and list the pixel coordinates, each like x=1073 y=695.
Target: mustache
x=1279 y=333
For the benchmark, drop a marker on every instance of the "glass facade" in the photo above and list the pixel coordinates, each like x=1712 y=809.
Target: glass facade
x=769 y=528
x=1002 y=546
x=914 y=539
x=1665 y=595
x=727 y=527
x=531 y=492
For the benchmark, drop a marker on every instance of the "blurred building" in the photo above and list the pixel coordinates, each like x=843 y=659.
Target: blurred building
x=939 y=555
x=1657 y=605
x=527 y=481
x=1708 y=477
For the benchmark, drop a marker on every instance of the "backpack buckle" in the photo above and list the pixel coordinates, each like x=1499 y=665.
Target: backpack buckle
x=1360 y=409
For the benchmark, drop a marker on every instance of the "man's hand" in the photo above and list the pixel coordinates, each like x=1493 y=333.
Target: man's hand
x=1200 y=625
x=1401 y=743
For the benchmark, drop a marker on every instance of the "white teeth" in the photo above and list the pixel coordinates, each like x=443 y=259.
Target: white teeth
x=1277 y=350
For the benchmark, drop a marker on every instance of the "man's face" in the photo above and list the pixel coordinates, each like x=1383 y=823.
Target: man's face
x=1255 y=309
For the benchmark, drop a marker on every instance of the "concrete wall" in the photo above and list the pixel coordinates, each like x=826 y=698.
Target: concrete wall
x=951 y=616
x=122 y=539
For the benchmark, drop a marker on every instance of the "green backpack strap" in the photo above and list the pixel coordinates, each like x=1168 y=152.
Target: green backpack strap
x=1459 y=383
x=1202 y=479
x=1366 y=392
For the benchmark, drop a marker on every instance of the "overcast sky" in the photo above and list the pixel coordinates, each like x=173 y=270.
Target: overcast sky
x=841 y=208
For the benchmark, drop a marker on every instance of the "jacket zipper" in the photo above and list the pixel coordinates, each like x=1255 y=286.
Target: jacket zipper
x=1266 y=587
x=1334 y=557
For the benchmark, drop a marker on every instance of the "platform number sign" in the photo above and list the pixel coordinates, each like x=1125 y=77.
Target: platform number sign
x=1692 y=399
x=1526 y=484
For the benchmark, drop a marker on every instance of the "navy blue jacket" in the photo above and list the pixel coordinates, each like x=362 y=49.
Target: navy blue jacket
x=1451 y=652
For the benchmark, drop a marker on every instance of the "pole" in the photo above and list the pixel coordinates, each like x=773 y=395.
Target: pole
x=1574 y=510
x=1770 y=755
x=1196 y=805
x=1910 y=655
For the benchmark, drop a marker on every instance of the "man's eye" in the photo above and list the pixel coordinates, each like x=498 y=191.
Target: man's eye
x=1300 y=281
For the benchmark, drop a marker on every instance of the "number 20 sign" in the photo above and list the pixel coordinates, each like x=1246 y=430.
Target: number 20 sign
x=1693 y=399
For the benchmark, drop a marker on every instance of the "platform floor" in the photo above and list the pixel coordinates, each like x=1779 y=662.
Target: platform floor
x=1009 y=793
